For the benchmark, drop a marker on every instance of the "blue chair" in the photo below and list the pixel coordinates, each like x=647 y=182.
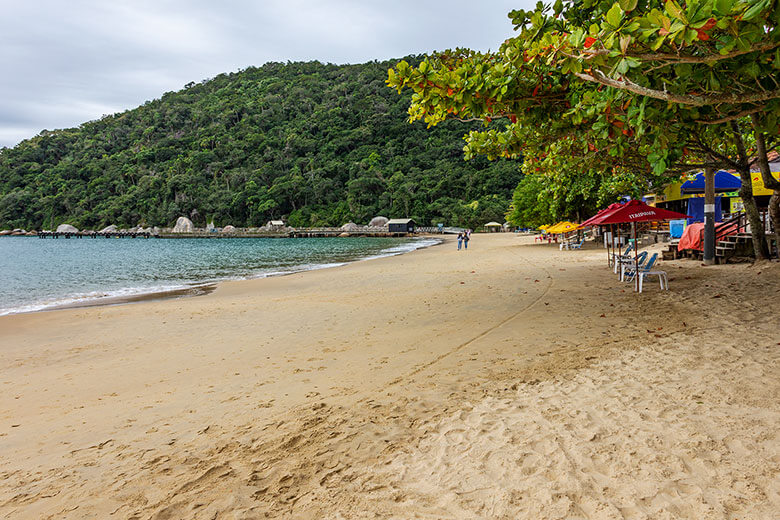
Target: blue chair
x=627 y=262
x=616 y=257
x=631 y=271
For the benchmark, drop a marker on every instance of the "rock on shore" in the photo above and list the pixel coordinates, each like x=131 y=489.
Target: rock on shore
x=378 y=222
x=183 y=225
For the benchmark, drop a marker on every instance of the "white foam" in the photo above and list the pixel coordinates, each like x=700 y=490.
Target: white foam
x=96 y=297
x=93 y=297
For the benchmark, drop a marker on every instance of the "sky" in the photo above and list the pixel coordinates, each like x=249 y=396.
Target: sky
x=65 y=63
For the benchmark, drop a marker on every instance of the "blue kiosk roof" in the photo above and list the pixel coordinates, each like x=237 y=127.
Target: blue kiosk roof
x=724 y=181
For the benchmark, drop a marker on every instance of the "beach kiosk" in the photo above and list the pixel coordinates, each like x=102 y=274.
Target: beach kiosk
x=400 y=225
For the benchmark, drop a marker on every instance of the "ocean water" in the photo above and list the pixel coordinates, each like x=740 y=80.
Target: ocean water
x=38 y=274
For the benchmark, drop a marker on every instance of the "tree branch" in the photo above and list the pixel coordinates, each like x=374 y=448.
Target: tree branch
x=676 y=58
x=733 y=117
x=596 y=76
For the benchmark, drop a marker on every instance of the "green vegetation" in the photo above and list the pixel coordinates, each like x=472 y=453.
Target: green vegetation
x=604 y=98
x=316 y=144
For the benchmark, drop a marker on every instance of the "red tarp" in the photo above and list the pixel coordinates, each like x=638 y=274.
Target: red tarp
x=636 y=211
x=692 y=236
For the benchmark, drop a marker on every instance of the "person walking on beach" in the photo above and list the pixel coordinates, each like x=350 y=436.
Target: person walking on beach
x=466 y=239
x=460 y=240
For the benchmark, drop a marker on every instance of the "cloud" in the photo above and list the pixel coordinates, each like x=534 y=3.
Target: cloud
x=70 y=62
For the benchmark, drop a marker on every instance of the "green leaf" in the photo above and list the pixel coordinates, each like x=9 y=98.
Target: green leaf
x=724 y=7
x=674 y=9
x=657 y=43
x=755 y=10
x=615 y=15
x=628 y=5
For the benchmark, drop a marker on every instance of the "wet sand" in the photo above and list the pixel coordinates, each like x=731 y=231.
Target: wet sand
x=511 y=380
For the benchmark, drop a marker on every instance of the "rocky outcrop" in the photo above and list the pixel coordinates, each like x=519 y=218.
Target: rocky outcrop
x=66 y=228
x=378 y=222
x=229 y=229
x=109 y=229
x=5 y=232
x=350 y=226
x=183 y=225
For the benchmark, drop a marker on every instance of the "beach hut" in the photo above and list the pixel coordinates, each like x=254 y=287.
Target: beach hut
x=493 y=227
x=400 y=225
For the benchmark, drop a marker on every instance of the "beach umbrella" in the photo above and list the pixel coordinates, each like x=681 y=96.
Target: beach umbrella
x=595 y=221
x=563 y=227
x=635 y=211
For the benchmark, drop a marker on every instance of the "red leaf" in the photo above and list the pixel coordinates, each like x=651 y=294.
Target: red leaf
x=709 y=25
x=536 y=91
x=513 y=118
x=449 y=91
x=703 y=36
x=589 y=41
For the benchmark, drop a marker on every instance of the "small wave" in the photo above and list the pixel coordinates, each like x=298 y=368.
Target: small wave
x=93 y=297
x=131 y=293
x=406 y=247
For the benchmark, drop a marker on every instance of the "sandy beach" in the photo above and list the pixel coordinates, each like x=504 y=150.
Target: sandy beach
x=512 y=380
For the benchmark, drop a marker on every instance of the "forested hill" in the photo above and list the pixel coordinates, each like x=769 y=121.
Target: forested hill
x=315 y=144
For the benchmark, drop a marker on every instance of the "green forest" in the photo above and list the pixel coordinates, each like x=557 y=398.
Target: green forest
x=315 y=144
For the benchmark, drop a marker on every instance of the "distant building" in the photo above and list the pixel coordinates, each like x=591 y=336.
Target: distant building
x=400 y=225
x=276 y=223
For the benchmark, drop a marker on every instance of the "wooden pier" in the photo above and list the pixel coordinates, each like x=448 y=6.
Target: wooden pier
x=296 y=233
x=95 y=234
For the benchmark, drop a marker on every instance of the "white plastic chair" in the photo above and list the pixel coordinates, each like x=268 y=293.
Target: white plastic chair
x=662 y=278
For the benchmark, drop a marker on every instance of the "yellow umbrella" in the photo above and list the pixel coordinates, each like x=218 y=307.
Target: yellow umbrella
x=563 y=227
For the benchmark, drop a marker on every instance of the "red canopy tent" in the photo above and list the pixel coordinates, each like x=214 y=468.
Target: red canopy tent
x=635 y=211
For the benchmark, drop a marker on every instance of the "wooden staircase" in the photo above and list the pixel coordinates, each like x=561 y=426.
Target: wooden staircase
x=738 y=245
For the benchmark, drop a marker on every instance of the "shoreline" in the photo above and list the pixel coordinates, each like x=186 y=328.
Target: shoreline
x=195 y=289
x=511 y=380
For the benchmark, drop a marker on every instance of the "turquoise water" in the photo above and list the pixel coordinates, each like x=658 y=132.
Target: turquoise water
x=37 y=274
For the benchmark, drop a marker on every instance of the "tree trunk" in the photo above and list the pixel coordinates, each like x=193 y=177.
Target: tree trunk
x=749 y=203
x=774 y=214
x=753 y=215
x=766 y=175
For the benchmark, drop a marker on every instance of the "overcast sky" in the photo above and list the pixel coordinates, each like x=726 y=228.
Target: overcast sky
x=64 y=63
